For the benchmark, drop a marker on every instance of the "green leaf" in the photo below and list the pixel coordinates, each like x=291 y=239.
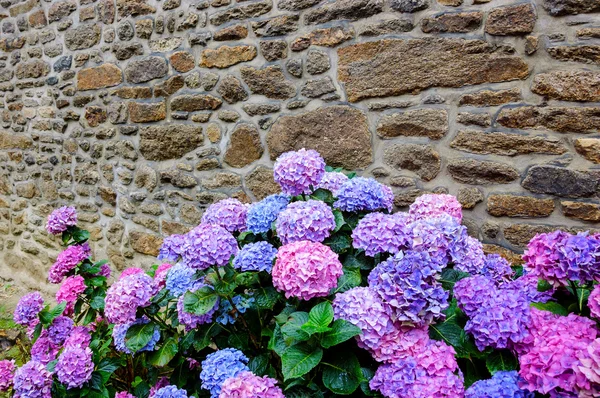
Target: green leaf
x=80 y=235
x=452 y=333
x=47 y=315
x=341 y=331
x=205 y=334
x=450 y=276
x=321 y=315
x=322 y=195
x=351 y=278
x=339 y=220
x=138 y=336
x=342 y=375
x=247 y=278
x=266 y=297
x=582 y=297
x=543 y=285
x=298 y=360
x=501 y=360
x=201 y=301
x=97 y=303
x=339 y=242
x=238 y=341
x=164 y=354
x=277 y=341
x=106 y=368
x=292 y=329
x=364 y=385
x=551 y=306
x=259 y=364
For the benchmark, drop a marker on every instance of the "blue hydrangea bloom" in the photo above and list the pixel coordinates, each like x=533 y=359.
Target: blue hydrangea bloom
x=219 y=366
x=120 y=331
x=501 y=385
x=180 y=279
x=497 y=268
x=242 y=303
x=170 y=392
x=60 y=329
x=362 y=193
x=262 y=214
x=257 y=256
x=171 y=248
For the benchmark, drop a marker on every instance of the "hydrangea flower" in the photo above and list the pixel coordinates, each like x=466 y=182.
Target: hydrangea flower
x=79 y=337
x=120 y=332
x=7 y=372
x=170 y=392
x=60 y=329
x=498 y=268
x=312 y=220
x=104 y=271
x=28 y=308
x=433 y=205
x=69 y=291
x=381 y=233
x=299 y=172
x=439 y=237
x=160 y=276
x=180 y=279
x=407 y=285
x=219 y=366
x=364 y=194
x=262 y=214
x=32 y=380
x=468 y=255
x=160 y=383
x=124 y=394
x=44 y=350
x=580 y=256
x=74 y=367
x=542 y=257
x=227 y=213
x=130 y=271
x=473 y=292
x=61 y=219
x=589 y=366
x=242 y=303
x=171 y=248
x=67 y=260
x=126 y=295
x=306 y=269
x=248 y=385
x=258 y=256
x=528 y=285
x=208 y=245
x=503 y=384
x=192 y=321
x=332 y=181
x=594 y=302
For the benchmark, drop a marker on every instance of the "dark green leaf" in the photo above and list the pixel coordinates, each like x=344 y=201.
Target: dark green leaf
x=266 y=297
x=47 y=315
x=277 y=342
x=164 y=354
x=501 y=360
x=205 y=334
x=96 y=381
x=543 y=285
x=142 y=389
x=238 y=341
x=551 y=306
x=298 y=360
x=259 y=364
x=450 y=276
x=582 y=297
x=106 y=368
x=97 y=303
x=351 y=278
x=321 y=315
x=341 y=331
x=138 y=336
x=247 y=278
x=201 y=301
x=452 y=333
x=80 y=235
x=292 y=329
x=364 y=385
x=342 y=375
x=339 y=242
x=323 y=195
x=339 y=220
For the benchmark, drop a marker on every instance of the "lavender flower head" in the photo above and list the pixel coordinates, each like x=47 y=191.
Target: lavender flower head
x=248 y=385
x=258 y=256
x=160 y=383
x=170 y=392
x=332 y=181
x=126 y=295
x=299 y=172
x=104 y=271
x=120 y=332
x=7 y=372
x=580 y=256
x=262 y=214
x=312 y=220
x=44 y=350
x=468 y=255
x=473 y=292
x=208 y=245
x=180 y=279
x=74 y=367
x=497 y=268
x=381 y=233
x=171 y=248
x=364 y=194
x=589 y=367
x=227 y=213
x=28 y=308
x=434 y=205
x=503 y=384
x=542 y=257
x=79 y=337
x=32 y=380
x=439 y=237
x=67 y=260
x=192 y=321
x=60 y=329
x=528 y=285
x=219 y=366
x=594 y=302
x=61 y=219
x=69 y=291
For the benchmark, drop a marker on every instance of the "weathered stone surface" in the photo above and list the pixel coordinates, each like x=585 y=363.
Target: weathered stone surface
x=481 y=172
x=409 y=5
x=452 y=22
x=38 y=19
x=244 y=11
x=182 y=61
x=261 y=183
x=568 y=85
x=343 y=9
x=178 y=178
x=388 y=67
x=235 y=32
x=486 y=98
x=432 y=123
x=566 y=7
x=192 y=103
x=520 y=234
x=273 y=50
x=60 y=9
x=317 y=62
x=581 y=211
x=516 y=19
x=244 y=146
x=505 y=144
x=589 y=54
x=133 y=92
x=144 y=112
x=389 y=26
x=82 y=37
x=422 y=160
x=105 y=75
x=169 y=87
x=95 y=115
x=512 y=257
x=277 y=26
x=146 y=69
x=519 y=206
x=589 y=148
x=558 y=118
x=145 y=243
x=469 y=197
x=531 y=44
x=340 y=133
x=32 y=69
x=561 y=182
x=589 y=33
x=14 y=141
x=231 y=90
x=269 y=81
x=328 y=37
x=226 y=56
x=317 y=87
x=165 y=44
x=169 y=141
x=125 y=51
x=128 y=8
x=106 y=11
x=296 y=5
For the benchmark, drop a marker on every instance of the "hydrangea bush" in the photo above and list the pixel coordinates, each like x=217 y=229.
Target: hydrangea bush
x=320 y=291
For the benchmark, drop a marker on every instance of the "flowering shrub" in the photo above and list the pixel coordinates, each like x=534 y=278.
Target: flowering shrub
x=317 y=292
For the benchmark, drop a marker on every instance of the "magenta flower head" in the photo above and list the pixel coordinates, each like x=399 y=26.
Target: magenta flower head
x=126 y=295
x=227 y=213
x=68 y=292
x=28 y=308
x=32 y=380
x=130 y=271
x=364 y=194
x=160 y=276
x=589 y=367
x=333 y=181
x=312 y=220
x=61 y=219
x=542 y=257
x=594 y=302
x=7 y=372
x=306 y=269
x=74 y=367
x=124 y=394
x=67 y=260
x=248 y=385
x=434 y=205
x=381 y=233
x=208 y=245
x=299 y=172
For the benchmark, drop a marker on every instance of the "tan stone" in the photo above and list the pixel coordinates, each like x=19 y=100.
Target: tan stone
x=173 y=227
x=520 y=234
x=143 y=112
x=422 y=160
x=244 y=146
x=261 y=183
x=568 y=85
x=38 y=19
x=518 y=19
x=589 y=33
x=581 y=211
x=106 y=75
x=589 y=148
x=32 y=69
x=558 y=118
x=469 y=197
x=145 y=243
x=235 y=32
x=222 y=180
x=509 y=255
x=327 y=37
x=133 y=92
x=269 y=81
x=23 y=7
x=452 y=22
x=481 y=172
x=14 y=141
x=169 y=141
x=128 y=8
x=519 y=206
x=589 y=54
x=213 y=132
x=226 y=56
x=192 y=103
x=182 y=61
x=432 y=123
x=26 y=190
x=169 y=86
x=486 y=98
x=505 y=143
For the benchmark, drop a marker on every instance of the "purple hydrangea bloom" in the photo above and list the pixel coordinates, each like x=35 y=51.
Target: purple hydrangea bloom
x=439 y=237
x=32 y=380
x=28 y=308
x=192 y=321
x=434 y=205
x=160 y=383
x=473 y=292
x=208 y=245
x=497 y=268
x=332 y=181
x=468 y=255
x=299 y=172
x=79 y=337
x=261 y=215
x=180 y=279
x=74 y=367
x=502 y=385
x=44 y=350
x=542 y=257
x=590 y=368
x=408 y=287
x=248 y=385
x=227 y=213
x=364 y=194
x=60 y=329
x=528 y=285
x=61 y=219
x=7 y=372
x=126 y=295
x=312 y=220
x=105 y=271
x=219 y=366
x=171 y=248
x=170 y=392
x=381 y=233
x=67 y=260
x=130 y=271
x=120 y=332
x=124 y=394
x=594 y=302
x=69 y=291
x=258 y=256
x=580 y=256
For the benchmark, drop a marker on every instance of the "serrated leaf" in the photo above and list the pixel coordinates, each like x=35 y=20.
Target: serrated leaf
x=501 y=360
x=339 y=242
x=164 y=354
x=450 y=276
x=48 y=315
x=341 y=330
x=201 y=301
x=342 y=375
x=339 y=220
x=552 y=307
x=97 y=303
x=321 y=315
x=80 y=235
x=107 y=367
x=266 y=297
x=138 y=336
x=277 y=342
x=292 y=329
x=351 y=278
x=298 y=360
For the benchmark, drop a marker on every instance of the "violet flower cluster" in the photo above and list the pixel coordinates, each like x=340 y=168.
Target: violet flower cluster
x=171 y=248
x=258 y=256
x=74 y=367
x=61 y=219
x=312 y=220
x=220 y=366
x=594 y=302
x=261 y=215
x=434 y=205
x=44 y=350
x=7 y=372
x=364 y=194
x=208 y=245
x=60 y=329
x=333 y=181
x=28 y=308
x=67 y=260
x=248 y=385
x=126 y=295
x=381 y=233
x=32 y=380
x=227 y=213
x=503 y=384
x=299 y=172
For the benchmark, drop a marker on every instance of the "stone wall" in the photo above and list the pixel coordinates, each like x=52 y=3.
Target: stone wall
x=142 y=112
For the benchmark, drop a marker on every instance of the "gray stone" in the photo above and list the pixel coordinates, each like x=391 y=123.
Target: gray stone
x=178 y=178
x=480 y=172
x=422 y=160
x=146 y=69
x=343 y=9
x=125 y=31
x=273 y=50
x=261 y=109
x=124 y=51
x=561 y=182
x=117 y=113
x=294 y=67
x=318 y=87
x=231 y=90
x=569 y=7
x=63 y=63
x=82 y=37
x=469 y=197
x=390 y=26
x=296 y=5
x=241 y=12
x=269 y=81
x=169 y=141
x=277 y=26
x=317 y=62
x=409 y=5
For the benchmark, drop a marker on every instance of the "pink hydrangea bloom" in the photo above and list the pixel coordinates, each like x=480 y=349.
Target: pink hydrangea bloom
x=208 y=245
x=7 y=372
x=381 y=233
x=594 y=302
x=433 y=205
x=299 y=172
x=126 y=295
x=248 y=385
x=67 y=260
x=68 y=292
x=589 y=367
x=312 y=220
x=306 y=269
x=124 y=394
x=160 y=276
x=130 y=271
x=61 y=219
x=332 y=181
x=542 y=257
x=227 y=213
